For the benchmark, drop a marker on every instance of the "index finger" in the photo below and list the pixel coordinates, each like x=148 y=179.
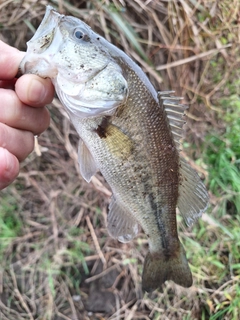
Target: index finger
x=10 y=59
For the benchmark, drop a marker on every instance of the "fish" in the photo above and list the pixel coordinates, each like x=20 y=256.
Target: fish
x=130 y=133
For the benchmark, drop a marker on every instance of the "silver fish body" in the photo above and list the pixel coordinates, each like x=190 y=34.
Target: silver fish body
x=127 y=131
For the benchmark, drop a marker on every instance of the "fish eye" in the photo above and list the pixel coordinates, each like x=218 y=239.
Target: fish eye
x=78 y=34
x=81 y=35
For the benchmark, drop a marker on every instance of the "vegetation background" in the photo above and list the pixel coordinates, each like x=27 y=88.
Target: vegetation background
x=57 y=260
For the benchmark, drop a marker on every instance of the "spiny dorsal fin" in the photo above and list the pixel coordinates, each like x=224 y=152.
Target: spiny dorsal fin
x=120 y=223
x=193 y=196
x=175 y=113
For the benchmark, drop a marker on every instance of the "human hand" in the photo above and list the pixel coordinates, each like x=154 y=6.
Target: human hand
x=22 y=112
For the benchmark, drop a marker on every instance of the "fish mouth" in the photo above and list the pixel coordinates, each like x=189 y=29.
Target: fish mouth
x=50 y=21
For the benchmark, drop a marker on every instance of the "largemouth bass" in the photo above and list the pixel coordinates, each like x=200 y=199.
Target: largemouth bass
x=130 y=133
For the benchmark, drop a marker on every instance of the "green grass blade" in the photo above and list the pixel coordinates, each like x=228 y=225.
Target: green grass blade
x=128 y=31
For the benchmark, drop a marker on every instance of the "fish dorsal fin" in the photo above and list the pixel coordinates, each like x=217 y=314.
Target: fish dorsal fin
x=86 y=162
x=175 y=113
x=193 y=196
x=120 y=223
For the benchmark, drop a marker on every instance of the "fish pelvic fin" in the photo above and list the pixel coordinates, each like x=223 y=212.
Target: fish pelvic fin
x=159 y=267
x=121 y=225
x=87 y=164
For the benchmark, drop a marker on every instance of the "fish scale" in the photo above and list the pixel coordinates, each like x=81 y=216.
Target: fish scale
x=127 y=131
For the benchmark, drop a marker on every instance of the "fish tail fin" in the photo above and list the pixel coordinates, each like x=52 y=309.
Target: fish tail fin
x=159 y=267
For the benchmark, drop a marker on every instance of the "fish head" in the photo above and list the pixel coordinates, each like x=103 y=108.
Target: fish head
x=86 y=76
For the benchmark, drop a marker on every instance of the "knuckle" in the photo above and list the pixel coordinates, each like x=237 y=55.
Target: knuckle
x=10 y=107
x=43 y=121
x=18 y=142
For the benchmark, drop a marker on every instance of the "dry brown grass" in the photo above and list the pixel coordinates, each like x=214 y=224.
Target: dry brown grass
x=61 y=264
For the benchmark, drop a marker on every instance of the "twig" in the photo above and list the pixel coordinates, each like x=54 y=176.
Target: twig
x=99 y=275
x=193 y=58
x=95 y=240
x=99 y=186
x=18 y=294
x=37 y=147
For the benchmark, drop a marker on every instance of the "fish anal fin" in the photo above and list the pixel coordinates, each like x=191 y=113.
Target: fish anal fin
x=121 y=225
x=175 y=114
x=193 y=196
x=86 y=162
x=159 y=267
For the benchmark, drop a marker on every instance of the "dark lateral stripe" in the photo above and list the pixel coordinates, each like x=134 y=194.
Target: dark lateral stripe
x=158 y=216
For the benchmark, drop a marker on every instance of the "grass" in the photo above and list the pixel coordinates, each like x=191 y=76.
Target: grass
x=10 y=223
x=215 y=247
x=222 y=154
x=216 y=239
x=57 y=261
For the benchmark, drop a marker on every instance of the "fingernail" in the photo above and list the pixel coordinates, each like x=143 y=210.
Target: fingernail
x=36 y=92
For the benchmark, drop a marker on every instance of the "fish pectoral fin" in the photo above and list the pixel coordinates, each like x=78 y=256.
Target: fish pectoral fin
x=118 y=143
x=193 y=196
x=86 y=162
x=159 y=267
x=175 y=114
x=121 y=225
